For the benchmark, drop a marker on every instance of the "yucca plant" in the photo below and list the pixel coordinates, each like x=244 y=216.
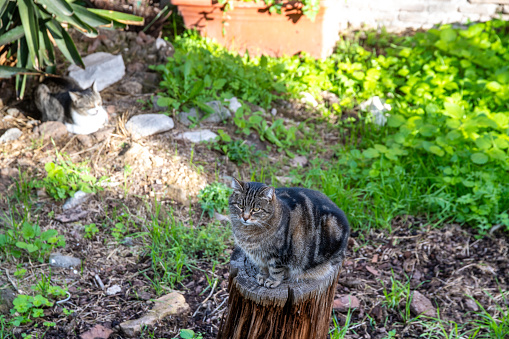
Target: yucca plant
x=30 y=29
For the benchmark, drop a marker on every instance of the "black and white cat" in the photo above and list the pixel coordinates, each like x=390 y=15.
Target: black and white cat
x=63 y=100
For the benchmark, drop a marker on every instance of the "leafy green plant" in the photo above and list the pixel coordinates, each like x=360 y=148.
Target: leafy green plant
x=190 y=334
x=65 y=178
x=27 y=307
x=27 y=237
x=214 y=197
x=200 y=71
x=28 y=30
x=90 y=231
x=236 y=150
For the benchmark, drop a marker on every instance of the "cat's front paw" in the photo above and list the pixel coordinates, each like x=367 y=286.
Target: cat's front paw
x=269 y=283
x=260 y=279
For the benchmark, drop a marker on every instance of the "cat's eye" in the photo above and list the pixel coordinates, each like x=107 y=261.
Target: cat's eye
x=256 y=209
x=239 y=206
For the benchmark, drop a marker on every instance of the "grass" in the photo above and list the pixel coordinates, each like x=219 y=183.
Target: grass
x=176 y=248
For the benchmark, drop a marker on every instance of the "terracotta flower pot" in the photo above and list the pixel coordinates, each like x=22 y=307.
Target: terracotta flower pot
x=250 y=26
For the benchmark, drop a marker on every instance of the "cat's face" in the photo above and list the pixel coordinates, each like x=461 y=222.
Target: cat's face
x=87 y=102
x=251 y=203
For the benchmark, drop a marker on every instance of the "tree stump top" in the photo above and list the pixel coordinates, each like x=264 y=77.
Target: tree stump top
x=286 y=294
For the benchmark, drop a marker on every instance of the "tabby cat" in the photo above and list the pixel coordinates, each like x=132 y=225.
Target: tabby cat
x=62 y=99
x=288 y=233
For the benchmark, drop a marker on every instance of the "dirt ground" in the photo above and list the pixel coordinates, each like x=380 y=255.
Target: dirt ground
x=447 y=265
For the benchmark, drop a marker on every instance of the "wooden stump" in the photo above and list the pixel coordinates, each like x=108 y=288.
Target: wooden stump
x=291 y=311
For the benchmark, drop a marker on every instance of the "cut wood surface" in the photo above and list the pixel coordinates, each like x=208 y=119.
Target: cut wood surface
x=293 y=310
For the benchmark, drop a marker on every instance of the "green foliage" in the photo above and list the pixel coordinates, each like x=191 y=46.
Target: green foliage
x=493 y=327
x=27 y=307
x=65 y=178
x=214 y=197
x=26 y=238
x=190 y=334
x=200 y=71
x=30 y=28
x=90 y=231
x=236 y=150
x=340 y=332
x=175 y=248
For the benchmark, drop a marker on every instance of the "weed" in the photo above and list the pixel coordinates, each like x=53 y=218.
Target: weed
x=399 y=293
x=340 y=332
x=175 y=248
x=190 y=334
x=236 y=150
x=90 y=231
x=65 y=178
x=493 y=327
x=26 y=237
x=214 y=198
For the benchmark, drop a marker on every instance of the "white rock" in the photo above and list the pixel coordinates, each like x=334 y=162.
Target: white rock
x=144 y=125
x=79 y=198
x=307 y=98
x=299 y=160
x=161 y=43
x=64 y=261
x=273 y=112
x=199 y=136
x=10 y=135
x=234 y=104
x=103 y=68
x=378 y=108
x=13 y=111
x=113 y=290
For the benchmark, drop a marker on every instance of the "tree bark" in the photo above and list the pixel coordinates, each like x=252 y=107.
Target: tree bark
x=292 y=310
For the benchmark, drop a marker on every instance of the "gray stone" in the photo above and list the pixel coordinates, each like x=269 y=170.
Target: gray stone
x=7 y=296
x=422 y=305
x=170 y=304
x=103 y=68
x=10 y=135
x=132 y=87
x=128 y=241
x=50 y=129
x=64 y=261
x=273 y=112
x=112 y=290
x=144 y=125
x=13 y=112
x=199 y=136
x=471 y=305
x=234 y=104
x=378 y=108
x=299 y=160
x=220 y=113
x=79 y=198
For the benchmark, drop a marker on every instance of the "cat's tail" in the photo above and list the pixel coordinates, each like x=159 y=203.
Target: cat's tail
x=42 y=97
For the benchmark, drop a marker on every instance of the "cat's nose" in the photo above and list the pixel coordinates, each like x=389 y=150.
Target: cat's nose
x=245 y=216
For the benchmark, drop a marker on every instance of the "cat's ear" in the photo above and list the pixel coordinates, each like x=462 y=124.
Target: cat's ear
x=94 y=87
x=237 y=185
x=74 y=96
x=269 y=193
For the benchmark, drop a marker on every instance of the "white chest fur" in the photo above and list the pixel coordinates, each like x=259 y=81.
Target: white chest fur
x=87 y=124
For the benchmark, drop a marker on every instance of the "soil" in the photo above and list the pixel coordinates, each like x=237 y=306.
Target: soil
x=448 y=265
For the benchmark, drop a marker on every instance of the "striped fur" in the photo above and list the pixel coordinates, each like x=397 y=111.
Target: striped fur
x=289 y=233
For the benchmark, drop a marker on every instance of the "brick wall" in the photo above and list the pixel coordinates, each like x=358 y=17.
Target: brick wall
x=397 y=15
